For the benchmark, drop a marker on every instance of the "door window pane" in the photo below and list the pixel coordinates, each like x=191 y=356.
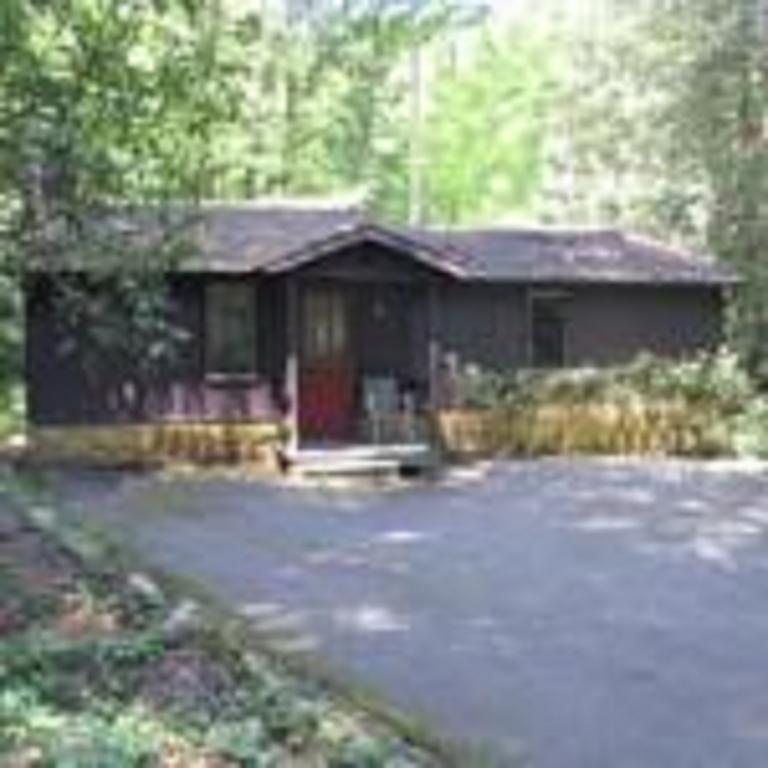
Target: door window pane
x=325 y=327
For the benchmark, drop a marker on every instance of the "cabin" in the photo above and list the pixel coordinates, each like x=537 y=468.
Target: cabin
x=318 y=326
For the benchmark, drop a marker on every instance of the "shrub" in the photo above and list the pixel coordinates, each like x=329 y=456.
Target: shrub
x=750 y=430
x=366 y=752
x=717 y=381
x=705 y=406
x=244 y=741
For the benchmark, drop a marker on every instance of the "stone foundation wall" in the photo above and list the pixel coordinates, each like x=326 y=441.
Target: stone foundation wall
x=662 y=429
x=192 y=443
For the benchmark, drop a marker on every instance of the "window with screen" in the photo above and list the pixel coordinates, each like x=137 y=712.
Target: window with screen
x=548 y=331
x=230 y=329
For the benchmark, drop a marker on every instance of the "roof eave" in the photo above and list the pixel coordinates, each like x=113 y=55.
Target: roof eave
x=695 y=282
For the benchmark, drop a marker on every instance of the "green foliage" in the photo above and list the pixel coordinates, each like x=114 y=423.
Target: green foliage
x=661 y=127
x=485 y=126
x=107 y=101
x=122 y=320
x=12 y=404
x=90 y=739
x=750 y=430
x=85 y=702
x=714 y=395
x=644 y=115
x=723 y=105
x=244 y=741
x=366 y=752
x=610 y=158
x=106 y=104
x=326 y=103
x=717 y=381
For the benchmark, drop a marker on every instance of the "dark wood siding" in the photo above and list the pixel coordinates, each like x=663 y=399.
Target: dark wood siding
x=489 y=325
x=368 y=263
x=612 y=325
x=483 y=325
x=61 y=391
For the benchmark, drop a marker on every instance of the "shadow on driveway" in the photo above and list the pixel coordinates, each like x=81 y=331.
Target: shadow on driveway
x=579 y=613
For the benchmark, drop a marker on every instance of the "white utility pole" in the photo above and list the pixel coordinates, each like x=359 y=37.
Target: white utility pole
x=416 y=128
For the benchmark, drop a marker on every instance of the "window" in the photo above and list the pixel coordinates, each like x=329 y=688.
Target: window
x=230 y=328
x=548 y=329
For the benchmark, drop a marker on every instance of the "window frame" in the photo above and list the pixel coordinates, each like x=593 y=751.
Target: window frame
x=562 y=297
x=215 y=373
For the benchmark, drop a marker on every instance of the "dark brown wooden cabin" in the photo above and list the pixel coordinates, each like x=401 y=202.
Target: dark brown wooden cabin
x=316 y=318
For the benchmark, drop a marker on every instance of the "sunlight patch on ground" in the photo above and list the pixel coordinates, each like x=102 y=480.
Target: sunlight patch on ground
x=607 y=523
x=348 y=558
x=756 y=514
x=713 y=552
x=465 y=475
x=401 y=537
x=719 y=542
x=370 y=619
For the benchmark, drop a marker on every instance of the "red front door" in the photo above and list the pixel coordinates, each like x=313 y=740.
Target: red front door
x=326 y=378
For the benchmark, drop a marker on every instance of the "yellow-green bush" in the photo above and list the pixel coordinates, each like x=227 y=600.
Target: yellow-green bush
x=650 y=407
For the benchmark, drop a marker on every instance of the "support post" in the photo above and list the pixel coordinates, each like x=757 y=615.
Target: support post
x=433 y=342
x=292 y=389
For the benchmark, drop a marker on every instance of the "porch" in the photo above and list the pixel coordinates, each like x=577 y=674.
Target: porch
x=361 y=347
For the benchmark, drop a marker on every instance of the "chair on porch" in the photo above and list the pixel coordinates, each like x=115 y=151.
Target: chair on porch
x=390 y=414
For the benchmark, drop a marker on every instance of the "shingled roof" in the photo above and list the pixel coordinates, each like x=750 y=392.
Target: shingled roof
x=278 y=238
x=243 y=238
x=566 y=256
x=274 y=238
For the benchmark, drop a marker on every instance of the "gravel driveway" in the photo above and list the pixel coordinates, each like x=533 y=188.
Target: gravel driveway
x=575 y=614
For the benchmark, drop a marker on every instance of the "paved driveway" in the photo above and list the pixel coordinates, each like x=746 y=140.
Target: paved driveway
x=581 y=614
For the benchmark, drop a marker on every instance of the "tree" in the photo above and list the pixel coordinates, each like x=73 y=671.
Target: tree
x=720 y=122
x=109 y=106
x=327 y=100
x=610 y=158
x=661 y=127
x=485 y=125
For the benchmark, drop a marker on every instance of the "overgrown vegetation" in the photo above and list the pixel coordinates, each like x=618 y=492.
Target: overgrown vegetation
x=99 y=667
x=705 y=406
x=717 y=379
x=106 y=107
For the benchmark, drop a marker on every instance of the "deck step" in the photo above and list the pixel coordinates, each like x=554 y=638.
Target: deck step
x=359 y=460
x=348 y=468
